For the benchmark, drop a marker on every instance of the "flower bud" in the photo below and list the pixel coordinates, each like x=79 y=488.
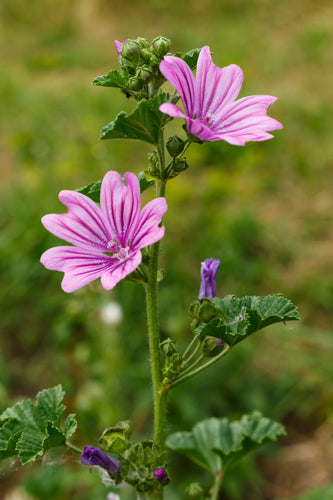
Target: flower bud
x=154 y=165
x=168 y=347
x=179 y=165
x=144 y=73
x=143 y=43
x=135 y=83
x=203 y=310
x=160 y=46
x=175 y=145
x=95 y=456
x=194 y=490
x=115 y=439
x=211 y=346
x=161 y=475
x=209 y=269
x=130 y=50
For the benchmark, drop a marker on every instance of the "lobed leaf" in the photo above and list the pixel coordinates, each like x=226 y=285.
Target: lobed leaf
x=142 y=124
x=216 y=443
x=28 y=429
x=240 y=317
x=112 y=79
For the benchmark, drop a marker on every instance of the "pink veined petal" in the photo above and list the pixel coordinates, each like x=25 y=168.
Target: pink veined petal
x=83 y=225
x=172 y=110
x=113 y=275
x=200 y=130
x=239 y=139
x=179 y=74
x=121 y=204
x=148 y=231
x=247 y=108
x=80 y=266
x=217 y=87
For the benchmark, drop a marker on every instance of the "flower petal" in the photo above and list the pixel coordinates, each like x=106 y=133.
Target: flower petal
x=83 y=225
x=148 y=231
x=217 y=87
x=198 y=129
x=247 y=112
x=179 y=74
x=121 y=204
x=119 y=271
x=172 y=110
x=79 y=265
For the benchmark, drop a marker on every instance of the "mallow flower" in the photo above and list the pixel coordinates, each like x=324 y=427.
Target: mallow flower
x=119 y=45
x=209 y=269
x=95 y=456
x=212 y=112
x=107 y=240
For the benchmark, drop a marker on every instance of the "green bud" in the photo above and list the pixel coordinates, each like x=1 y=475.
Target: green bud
x=194 y=490
x=168 y=347
x=154 y=165
x=130 y=50
x=203 y=310
x=126 y=427
x=146 y=54
x=135 y=83
x=175 y=145
x=160 y=46
x=211 y=346
x=114 y=440
x=179 y=165
x=142 y=42
x=154 y=62
x=144 y=73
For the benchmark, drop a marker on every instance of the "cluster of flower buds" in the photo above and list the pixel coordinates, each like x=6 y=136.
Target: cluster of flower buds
x=140 y=62
x=173 y=359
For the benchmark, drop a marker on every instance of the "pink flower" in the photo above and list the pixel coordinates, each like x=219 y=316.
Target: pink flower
x=119 y=45
x=107 y=239
x=211 y=111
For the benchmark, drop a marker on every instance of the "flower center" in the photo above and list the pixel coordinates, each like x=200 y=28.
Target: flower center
x=207 y=119
x=115 y=250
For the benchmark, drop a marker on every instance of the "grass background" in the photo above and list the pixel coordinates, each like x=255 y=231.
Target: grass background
x=265 y=210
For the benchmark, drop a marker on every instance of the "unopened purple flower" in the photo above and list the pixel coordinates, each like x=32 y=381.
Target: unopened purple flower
x=209 y=269
x=211 y=111
x=219 y=341
x=107 y=240
x=95 y=456
x=119 y=45
x=160 y=475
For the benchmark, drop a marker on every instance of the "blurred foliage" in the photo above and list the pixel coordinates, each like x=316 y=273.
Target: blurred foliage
x=265 y=210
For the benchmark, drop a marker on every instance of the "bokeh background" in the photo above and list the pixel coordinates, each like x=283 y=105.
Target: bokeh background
x=265 y=210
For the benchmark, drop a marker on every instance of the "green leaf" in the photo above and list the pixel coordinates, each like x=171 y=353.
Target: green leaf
x=216 y=443
x=112 y=79
x=191 y=57
x=93 y=190
x=28 y=429
x=143 y=124
x=240 y=317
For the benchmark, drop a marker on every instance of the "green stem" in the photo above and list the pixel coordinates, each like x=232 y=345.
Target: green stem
x=187 y=376
x=195 y=363
x=217 y=485
x=189 y=347
x=73 y=447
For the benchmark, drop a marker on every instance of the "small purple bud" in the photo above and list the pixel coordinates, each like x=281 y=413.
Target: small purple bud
x=96 y=456
x=160 y=475
x=219 y=341
x=209 y=269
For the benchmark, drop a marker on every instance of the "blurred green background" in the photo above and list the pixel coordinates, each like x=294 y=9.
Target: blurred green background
x=265 y=210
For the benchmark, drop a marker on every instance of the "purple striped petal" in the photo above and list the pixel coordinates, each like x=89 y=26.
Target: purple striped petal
x=198 y=129
x=148 y=231
x=79 y=265
x=179 y=74
x=121 y=204
x=121 y=269
x=217 y=87
x=84 y=224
